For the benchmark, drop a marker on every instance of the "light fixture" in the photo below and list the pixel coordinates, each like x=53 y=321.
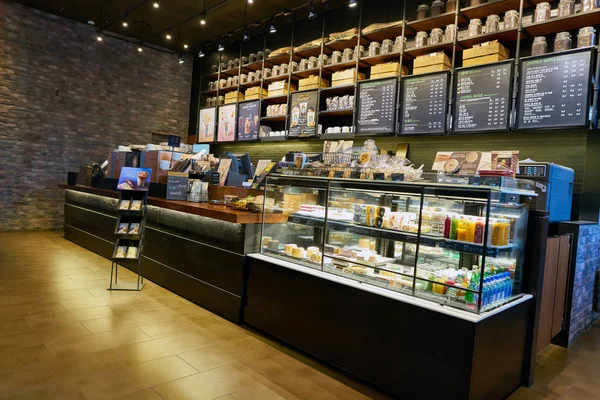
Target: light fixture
x=352 y=3
x=245 y=38
x=220 y=45
x=250 y=1
x=203 y=19
x=125 y=24
x=326 y=5
x=185 y=46
x=288 y=17
x=156 y=4
x=258 y=26
x=201 y=53
x=272 y=28
x=311 y=11
x=99 y=38
x=180 y=58
x=140 y=49
x=168 y=34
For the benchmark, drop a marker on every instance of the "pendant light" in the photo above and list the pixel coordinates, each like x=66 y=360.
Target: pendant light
x=311 y=11
x=180 y=58
x=272 y=28
x=245 y=38
x=352 y=3
x=168 y=35
x=156 y=4
x=220 y=45
x=203 y=15
x=201 y=53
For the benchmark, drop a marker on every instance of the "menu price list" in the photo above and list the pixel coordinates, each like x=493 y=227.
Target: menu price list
x=554 y=90
x=377 y=106
x=482 y=98
x=424 y=103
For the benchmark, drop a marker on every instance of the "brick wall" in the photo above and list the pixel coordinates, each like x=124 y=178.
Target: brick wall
x=66 y=99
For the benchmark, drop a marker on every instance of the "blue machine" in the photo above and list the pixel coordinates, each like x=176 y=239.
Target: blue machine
x=554 y=186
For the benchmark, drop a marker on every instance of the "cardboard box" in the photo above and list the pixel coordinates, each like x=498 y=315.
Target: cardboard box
x=312 y=82
x=232 y=97
x=152 y=159
x=485 y=49
x=432 y=59
x=255 y=91
x=346 y=77
x=483 y=60
x=430 y=68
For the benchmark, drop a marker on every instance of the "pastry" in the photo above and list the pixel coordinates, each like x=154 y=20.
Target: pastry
x=266 y=240
x=288 y=248
x=364 y=243
x=273 y=245
x=316 y=257
x=298 y=252
x=372 y=258
x=312 y=250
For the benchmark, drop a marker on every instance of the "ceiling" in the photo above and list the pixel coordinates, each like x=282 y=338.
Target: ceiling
x=182 y=16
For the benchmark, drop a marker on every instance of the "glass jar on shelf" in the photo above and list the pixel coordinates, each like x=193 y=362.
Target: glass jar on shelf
x=542 y=12
x=359 y=51
x=539 y=46
x=258 y=74
x=211 y=86
x=276 y=71
x=511 y=19
x=387 y=46
x=252 y=58
x=399 y=44
x=251 y=76
x=422 y=11
x=492 y=23
x=437 y=8
x=589 y=5
x=260 y=55
x=223 y=66
x=220 y=100
x=244 y=77
x=284 y=69
x=236 y=80
x=230 y=64
x=208 y=102
x=475 y=27
x=586 y=37
x=347 y=55
x=303 y=64
x=294 y=66
x=267 y=73
x=222 y=83
x=214 y=69
x=323 y=60
x=436 y=36
x=236 y=63
x=451 y=5
x=566 y=8
x=336 y=57
x=313 y=62
x=473 y=3
x=421 y=39
x=244 y=60
x=562 y=41
x=450 y=33
x=374 y=49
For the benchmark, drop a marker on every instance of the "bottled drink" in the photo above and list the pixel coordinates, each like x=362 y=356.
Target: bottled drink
x=485 y=296
x=470 y=230
x=447 y=227
x=454 y=228
x=478 y=236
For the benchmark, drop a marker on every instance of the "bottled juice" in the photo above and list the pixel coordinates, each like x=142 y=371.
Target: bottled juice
x=470 y=230
x=447 y=227
x=454 y=228
x=478 y=234
x=506 y=239
x=461 y=234
x=498 y=233
x=439 y=289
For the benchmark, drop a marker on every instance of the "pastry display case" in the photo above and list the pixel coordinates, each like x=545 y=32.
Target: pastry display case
x=456 y=245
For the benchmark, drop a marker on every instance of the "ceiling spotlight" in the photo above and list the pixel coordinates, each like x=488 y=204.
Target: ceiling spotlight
x=288 y=17
x=185 y=46
x=140 y=49
x=168 y=35
x=201 y=54
x=220 y=45
x=125 y=24
x=203 y=19
x=250 y=1
x=156 y=4
x=272 y=28
x=352 y=3
x=99 y=38
x=180 y=58
x=245 y=38
x=311 y=11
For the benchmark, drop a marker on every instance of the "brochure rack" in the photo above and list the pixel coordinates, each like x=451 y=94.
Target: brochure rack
x=129 y=232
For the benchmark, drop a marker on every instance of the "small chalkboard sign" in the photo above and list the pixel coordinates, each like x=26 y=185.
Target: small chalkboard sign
x=177 y=186
x=379 y=176
x=355 y=174
x=338 y=174
x=397 y=177
x=174 y=141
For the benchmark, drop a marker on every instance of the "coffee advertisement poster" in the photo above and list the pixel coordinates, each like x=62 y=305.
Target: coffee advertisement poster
x=461 y=162
x=248 y=120
x=134 y=179
x=227 y=121
x=303 y=113
x=206 y=125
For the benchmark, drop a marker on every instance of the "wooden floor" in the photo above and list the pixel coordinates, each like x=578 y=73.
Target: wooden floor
x=64 y=336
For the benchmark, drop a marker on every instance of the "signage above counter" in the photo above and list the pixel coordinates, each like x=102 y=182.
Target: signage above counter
x=424 y=103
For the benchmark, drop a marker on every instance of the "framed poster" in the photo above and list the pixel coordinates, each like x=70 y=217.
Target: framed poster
x=227 y=123
x=248 y=120
x=303 y=113
x=206 y=125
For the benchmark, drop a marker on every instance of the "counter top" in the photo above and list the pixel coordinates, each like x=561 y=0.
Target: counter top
x=220 y=212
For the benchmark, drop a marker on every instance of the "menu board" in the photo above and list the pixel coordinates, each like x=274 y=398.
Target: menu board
x=248 y=124
x=227 y=120
x=376 y=106
x=303 y=113
x=424 y=103
x=483 y=97
x=554 y=90
x=206 y=125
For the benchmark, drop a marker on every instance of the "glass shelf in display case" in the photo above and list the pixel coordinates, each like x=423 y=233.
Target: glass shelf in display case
x=456 y=245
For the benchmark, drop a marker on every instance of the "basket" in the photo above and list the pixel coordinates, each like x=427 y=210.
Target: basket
x=339 y=158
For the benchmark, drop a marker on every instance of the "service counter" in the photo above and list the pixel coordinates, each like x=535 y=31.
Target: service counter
x=196 y=250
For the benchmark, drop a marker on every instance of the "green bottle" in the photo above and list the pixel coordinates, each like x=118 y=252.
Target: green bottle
x=454 y=228
x=471 y=297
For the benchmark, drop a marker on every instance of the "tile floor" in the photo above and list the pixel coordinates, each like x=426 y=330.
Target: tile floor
x=64 y=336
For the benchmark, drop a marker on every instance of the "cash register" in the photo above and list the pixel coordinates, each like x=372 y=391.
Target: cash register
x=553 y=185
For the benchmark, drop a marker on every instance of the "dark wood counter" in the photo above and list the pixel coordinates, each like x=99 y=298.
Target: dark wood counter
x=219 y=212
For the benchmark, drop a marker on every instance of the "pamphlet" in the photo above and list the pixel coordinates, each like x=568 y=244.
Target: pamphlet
x=123 y=228
x=136 y=205
x=124 y=205
x=134 y=179
x=121 y=252
x=223 y=170
x=134 y=228
x=132 y=252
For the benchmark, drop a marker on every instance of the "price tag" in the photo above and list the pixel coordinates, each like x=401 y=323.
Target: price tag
x=174 y=141
x=379 y=176
x=397 y=177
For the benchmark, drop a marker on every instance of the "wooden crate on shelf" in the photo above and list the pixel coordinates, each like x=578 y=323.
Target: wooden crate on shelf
x=253 y=93
x=387 y=70
x=280 y=88
x=233 y=97
x=312 y=82
x=431 y=68
x=485 y=53
x=346 y=77
x=438 y=58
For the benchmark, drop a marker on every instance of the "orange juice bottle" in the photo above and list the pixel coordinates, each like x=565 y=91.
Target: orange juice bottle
x=461 y=234
x=498 y=233
x=470 y=230
x=506 y=239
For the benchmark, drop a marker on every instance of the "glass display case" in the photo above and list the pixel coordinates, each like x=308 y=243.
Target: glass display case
x=456 y=245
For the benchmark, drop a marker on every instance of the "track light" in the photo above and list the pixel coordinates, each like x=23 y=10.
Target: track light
x=203 y=19
x=140 y=49
x=220 y=45
x=185 y=46
x=99 y=38
x=272 y=28
x=180 y=58
x=125 y=24
x=156 y=4
x=168 y=35
x=311 y=11
x=352 y=3
x=245 y=38
x=288 y=17
x=250 y=1
x=201 y=53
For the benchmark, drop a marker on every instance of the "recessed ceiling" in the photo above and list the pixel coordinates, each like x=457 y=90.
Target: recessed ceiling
x=181 y=16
